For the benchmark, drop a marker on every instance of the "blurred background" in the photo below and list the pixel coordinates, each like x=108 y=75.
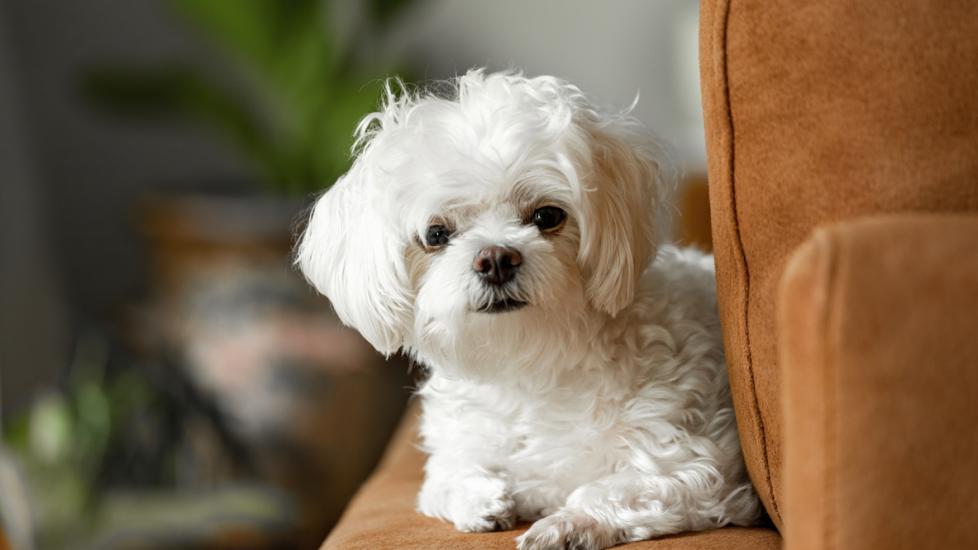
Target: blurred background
x=166 y=379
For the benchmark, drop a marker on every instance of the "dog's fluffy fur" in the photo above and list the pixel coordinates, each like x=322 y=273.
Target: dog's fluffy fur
x=601 y=410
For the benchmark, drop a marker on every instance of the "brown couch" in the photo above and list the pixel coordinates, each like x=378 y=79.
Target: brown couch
x=843 y=161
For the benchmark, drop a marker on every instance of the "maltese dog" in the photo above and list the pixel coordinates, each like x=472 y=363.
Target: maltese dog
x=508 y=237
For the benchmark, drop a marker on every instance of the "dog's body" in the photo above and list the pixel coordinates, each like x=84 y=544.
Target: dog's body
x=508 y=239
x=638 y=430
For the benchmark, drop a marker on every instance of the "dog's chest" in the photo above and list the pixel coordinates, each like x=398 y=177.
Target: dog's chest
x=556 y=447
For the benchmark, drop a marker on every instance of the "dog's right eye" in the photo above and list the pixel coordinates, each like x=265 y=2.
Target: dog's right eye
x=437 y=235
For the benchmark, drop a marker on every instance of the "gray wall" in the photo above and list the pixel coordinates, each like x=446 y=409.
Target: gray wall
x=611 y=49
x=32 y=314
x=92 y=167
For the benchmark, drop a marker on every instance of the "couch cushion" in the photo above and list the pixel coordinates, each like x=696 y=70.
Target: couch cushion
x=880 y=384
x=819 y=112
x=382 y=515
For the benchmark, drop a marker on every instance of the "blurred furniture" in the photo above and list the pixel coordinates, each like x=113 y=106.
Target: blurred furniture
x=303 y=404
x=843 y=160
x=852 y=350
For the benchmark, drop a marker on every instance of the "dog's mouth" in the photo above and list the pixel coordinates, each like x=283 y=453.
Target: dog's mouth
x=502 y=306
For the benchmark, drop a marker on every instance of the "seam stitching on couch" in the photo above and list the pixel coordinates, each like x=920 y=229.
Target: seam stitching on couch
x=762 y=431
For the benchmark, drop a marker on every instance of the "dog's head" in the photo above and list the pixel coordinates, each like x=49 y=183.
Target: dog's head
x=490 y=224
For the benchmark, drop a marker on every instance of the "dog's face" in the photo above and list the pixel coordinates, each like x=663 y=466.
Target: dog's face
x=486 y=231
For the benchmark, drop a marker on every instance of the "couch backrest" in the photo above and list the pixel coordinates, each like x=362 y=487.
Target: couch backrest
x=818 y=112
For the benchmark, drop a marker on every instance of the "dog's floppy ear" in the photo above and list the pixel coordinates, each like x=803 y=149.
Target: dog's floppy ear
x=622 y=214
x=351 y=253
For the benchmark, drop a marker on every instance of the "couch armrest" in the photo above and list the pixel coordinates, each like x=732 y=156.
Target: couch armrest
x=878 y=347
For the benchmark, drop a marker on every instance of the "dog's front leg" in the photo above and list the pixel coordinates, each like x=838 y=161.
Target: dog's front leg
x=612 y=510
x=474 y=499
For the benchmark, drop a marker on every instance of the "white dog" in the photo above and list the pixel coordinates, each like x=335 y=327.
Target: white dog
x=507 y=238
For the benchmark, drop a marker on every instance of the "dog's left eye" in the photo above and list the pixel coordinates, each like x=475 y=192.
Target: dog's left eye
x=437 y=235
x=548 y=218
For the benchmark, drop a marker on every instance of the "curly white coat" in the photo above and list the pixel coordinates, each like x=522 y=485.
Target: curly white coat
x=601 y=410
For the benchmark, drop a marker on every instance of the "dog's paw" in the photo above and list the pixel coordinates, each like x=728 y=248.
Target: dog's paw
x=483 y=504
x=567 y=530
x=474 y=505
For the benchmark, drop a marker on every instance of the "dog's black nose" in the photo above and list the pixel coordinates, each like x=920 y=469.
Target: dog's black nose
x=497 y=264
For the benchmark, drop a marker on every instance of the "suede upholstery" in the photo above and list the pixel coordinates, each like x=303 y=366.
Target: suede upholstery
x=818 y=112
x=879 y=351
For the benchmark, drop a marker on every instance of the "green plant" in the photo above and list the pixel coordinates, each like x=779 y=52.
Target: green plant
x=294 y=96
